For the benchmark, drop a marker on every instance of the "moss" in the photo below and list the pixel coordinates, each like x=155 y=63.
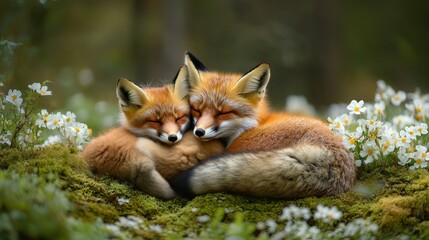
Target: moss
x=393 y=197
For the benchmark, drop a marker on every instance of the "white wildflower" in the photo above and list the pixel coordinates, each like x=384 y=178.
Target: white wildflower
x=403 y=157
x=44 y=91
x=379 y=108
x=422 y=128
x=381 y=85
x=336 y=126
x=35 y=86
x=401 y=121
x=404 y=140
x=14 y=97
x=356 y=107
x=299 y=104
x=412 y=132
x=43 y=118
x=69 y=118
x=54 y=121
x=358 y=163
x=127 y=222
x=112 y=228
x=135 y=219
x=349 y=141
x=398 y=98
x=203 y=218
x=387 y=141
x=369 y=151
x=327 y=214
x=294 y=212
x=121 y=200
x=156 y=228
x=272 y=225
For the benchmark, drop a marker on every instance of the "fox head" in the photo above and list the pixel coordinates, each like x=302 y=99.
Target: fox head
x=224 y=105
x=159 y=113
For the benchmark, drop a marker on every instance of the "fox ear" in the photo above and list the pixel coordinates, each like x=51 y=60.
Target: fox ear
x=197 y=63
x=181 y=84
x=255 y=81
x=130 y=94
x=194 y=66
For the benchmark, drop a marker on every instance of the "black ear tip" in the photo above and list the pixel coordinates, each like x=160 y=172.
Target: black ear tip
x=197 y=63
x=121 y=80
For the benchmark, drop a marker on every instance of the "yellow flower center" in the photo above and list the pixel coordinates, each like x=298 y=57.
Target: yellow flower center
x=396 y=97
x=346 y=121
x=68 y=119
x=370 y=152
x=379 y=111
x=424 y=155
x=56 y=122
x=386 y=145
x=356 y=109
x=14 y=97
x=42 y=92
x=77 y=129
x=418 y=117
x=418 y=109
x=352 y=140
x=419 y=161
x=404 y=139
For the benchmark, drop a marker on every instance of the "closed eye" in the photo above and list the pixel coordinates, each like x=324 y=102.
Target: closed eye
x=225 y=113
x=180 y=118
x=195 y=112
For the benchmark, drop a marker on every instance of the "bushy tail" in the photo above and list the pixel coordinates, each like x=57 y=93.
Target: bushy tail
x=299 y=171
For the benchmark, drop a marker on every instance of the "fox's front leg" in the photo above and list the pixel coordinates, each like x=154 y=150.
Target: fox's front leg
x=148 y=179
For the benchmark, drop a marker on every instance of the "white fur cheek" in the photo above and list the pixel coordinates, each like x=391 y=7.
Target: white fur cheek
x=185 y=126
x=179 y=137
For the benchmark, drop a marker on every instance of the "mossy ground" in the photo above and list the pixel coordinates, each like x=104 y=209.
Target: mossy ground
x=394 y=198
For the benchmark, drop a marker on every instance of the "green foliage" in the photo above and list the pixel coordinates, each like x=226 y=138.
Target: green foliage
x=21 y=126
x=36 y=208
x=394 y=198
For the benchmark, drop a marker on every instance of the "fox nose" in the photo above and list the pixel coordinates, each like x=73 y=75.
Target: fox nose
x=172 y=138
x=200 y=132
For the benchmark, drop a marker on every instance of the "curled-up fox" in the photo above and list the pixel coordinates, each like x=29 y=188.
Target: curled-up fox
x=151 y=146
x=275 y=155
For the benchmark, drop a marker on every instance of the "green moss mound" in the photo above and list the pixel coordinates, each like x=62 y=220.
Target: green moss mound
x=56 y=194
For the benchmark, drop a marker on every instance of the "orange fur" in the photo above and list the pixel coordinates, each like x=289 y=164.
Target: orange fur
x=149 y=159
x=276 y=155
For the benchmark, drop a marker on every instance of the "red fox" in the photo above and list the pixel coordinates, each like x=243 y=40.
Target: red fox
x=141 y=151
x=276 y=155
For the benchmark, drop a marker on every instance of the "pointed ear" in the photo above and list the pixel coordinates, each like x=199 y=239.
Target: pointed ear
x=181 y=83
x=255 y=81
x=193 y=74
x=197 y=63
x=130 y=94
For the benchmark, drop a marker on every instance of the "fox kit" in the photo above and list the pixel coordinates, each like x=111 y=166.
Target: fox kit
x=276 y=155
x=141 y=151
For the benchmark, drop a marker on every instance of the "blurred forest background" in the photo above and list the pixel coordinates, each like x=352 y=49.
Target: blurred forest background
x=329 y=51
